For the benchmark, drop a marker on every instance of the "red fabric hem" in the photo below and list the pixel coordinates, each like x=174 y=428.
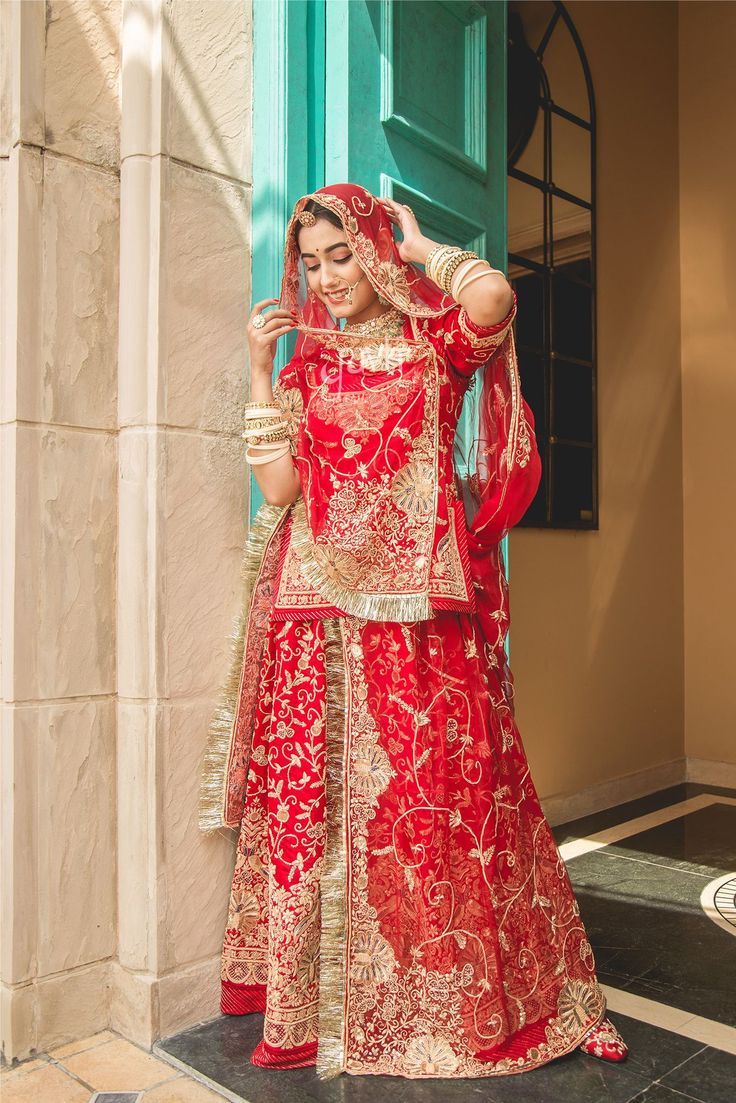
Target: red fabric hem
x=518 y=1045
x=267 y=1056
x=241 y=999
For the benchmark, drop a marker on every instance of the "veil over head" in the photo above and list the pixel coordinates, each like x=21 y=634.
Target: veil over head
x=502 y=462
x=369 y=234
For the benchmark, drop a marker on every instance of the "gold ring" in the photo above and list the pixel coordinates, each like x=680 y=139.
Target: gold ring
x=258 y=321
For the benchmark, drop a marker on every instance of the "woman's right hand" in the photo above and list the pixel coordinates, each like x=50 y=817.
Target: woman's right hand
x=262 y=342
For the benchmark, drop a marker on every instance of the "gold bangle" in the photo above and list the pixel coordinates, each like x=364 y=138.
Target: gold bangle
x=441 y=262
x=447 y=270
x=262 y=438
x=262 y=423
x=436 y=258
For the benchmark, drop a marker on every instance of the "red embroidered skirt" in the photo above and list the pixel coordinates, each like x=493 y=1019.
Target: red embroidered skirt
x=398 y=904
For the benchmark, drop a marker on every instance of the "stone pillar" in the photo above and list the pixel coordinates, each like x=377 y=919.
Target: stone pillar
x=58 y=512
x=185 y=293
x=124 y=153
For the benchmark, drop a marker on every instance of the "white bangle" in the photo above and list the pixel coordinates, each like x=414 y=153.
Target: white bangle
x=468 y=279
x=265 y=411
x=283 y=450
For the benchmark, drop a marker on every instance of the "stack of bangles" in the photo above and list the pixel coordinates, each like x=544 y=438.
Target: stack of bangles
x=444 y=262
x=265 y=432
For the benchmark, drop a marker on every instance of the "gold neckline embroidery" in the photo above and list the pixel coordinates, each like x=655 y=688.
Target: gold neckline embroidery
x=388 y=324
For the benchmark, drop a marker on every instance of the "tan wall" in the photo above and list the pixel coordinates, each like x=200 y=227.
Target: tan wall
x=708 y=275
x=597 y=617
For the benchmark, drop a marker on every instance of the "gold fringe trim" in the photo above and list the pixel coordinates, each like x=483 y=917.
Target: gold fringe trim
x=213 y=784
x=382 y=607
x=333 y=880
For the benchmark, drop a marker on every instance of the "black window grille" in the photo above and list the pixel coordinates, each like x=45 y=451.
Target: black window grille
x=551 y=210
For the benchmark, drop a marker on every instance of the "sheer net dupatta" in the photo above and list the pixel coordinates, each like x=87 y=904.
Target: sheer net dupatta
x=369 y=234
x=227 y=752
x=504 y=462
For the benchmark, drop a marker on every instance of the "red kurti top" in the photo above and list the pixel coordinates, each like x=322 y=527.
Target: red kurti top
x=380 y=528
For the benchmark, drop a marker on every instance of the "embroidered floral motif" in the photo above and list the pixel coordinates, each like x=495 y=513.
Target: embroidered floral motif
x=427 y=1055
x=371 y=769
x=373 y=959
x=413 y=488
x=576 y=1003
x=290 y=402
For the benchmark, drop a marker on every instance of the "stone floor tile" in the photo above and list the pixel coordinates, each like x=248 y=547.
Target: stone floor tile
x=23 y=1067
x=181 y=1090
x=49 y=1084
x=83 y=1043
x=119 y=1066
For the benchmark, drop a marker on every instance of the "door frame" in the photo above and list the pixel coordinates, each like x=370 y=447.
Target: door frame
x=288 y=103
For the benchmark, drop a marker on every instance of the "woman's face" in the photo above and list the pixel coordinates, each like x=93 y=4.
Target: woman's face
x=330 y=267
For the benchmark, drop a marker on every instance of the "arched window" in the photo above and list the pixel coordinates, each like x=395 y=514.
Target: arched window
x=551 y=213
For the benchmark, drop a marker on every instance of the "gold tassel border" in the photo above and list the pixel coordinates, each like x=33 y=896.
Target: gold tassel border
x=333 y=879
x=382 y=607
x=213 y=784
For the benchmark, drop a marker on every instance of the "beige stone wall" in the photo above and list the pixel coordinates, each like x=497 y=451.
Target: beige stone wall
x=597 y=617
x=708 y=283
x=125 y=159
x=60 y=233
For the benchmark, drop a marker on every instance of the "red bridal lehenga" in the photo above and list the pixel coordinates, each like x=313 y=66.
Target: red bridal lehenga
x=398 y=904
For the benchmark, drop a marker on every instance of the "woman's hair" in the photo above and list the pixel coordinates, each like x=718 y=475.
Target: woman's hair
x=318 y=211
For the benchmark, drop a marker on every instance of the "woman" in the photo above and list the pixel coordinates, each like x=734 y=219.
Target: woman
x=398 y=903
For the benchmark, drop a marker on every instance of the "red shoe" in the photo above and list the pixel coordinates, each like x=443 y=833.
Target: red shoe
x=603 y=1040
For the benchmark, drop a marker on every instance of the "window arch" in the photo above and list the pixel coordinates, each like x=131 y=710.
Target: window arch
x=551 y=215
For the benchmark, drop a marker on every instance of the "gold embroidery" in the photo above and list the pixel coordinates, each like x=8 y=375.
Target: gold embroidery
x=385 y=999
x=427 y=1055
x=273 y=924
x=372 y=554
x=290 y=402
x=413 y=489
x=358 y=411
x=214 y=779
x=333 y=889
x=488 y=343
x=381 y=605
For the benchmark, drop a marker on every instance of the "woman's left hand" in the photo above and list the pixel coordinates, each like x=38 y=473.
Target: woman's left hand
x=410 y=249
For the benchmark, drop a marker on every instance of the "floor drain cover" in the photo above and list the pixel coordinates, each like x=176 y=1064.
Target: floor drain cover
x=116 y=1097
x=718 y=901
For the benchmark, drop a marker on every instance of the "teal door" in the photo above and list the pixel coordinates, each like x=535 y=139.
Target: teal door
x=415 y=108
x=406 y=97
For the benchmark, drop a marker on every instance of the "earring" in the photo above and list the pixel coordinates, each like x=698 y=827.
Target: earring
x=382 y=301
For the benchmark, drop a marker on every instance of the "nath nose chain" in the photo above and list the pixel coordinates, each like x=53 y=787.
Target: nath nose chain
x=351 y=287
